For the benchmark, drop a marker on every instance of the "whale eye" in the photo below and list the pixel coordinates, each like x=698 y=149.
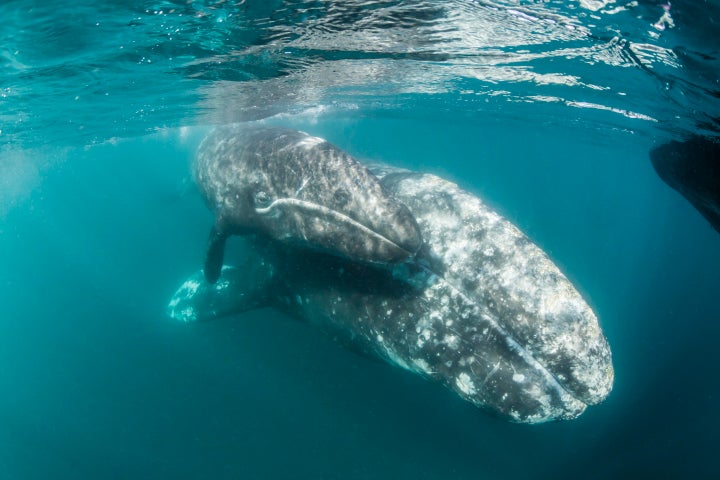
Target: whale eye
x=262 y=199
x=341 y=197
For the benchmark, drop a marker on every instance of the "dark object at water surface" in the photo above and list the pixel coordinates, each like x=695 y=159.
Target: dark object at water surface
x=692 y=167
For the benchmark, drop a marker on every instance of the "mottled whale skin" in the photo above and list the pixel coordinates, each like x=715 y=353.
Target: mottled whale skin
x=298 y=189
x=481 y=309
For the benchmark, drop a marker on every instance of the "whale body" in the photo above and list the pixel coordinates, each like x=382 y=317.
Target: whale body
x=299 y=189
x=479 y=309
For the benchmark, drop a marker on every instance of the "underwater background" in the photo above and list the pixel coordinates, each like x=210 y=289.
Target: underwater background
x=547 y=110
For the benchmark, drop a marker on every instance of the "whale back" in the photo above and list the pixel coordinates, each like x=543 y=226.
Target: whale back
x=491 y=262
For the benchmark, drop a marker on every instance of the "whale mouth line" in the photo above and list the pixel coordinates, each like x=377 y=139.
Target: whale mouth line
x=323 y=211
x=560 y=388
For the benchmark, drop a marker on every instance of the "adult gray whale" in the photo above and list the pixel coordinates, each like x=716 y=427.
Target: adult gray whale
x=481 y=309
x=299 y=189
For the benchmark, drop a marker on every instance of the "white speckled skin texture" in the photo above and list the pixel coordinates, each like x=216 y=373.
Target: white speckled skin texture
x=481 y=309
x=491 y=262
x=300 y=189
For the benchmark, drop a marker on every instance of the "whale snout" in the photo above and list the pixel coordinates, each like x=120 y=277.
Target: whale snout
x=401 y=235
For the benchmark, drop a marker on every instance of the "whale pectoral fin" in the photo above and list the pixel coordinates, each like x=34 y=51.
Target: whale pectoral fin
x=215 y=253
x=237 y=290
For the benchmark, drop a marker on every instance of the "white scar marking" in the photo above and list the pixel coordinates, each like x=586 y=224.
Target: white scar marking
x=451 y=341
x=191 y=287
x=423 y=366
x=492 y=372
x=321 y=210
x=309 y=142
x=304 y=183
x=465 y=384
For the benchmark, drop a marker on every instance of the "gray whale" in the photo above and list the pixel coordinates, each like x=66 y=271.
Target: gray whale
x=301 y=190
x=480 y=308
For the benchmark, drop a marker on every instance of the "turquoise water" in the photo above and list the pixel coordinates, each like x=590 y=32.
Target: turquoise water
x=547 y=110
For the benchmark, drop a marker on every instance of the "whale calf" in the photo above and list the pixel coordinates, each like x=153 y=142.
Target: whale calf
x=479 y=308
x=299 y=189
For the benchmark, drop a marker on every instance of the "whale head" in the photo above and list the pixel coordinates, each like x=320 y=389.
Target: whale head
x=302 y=190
